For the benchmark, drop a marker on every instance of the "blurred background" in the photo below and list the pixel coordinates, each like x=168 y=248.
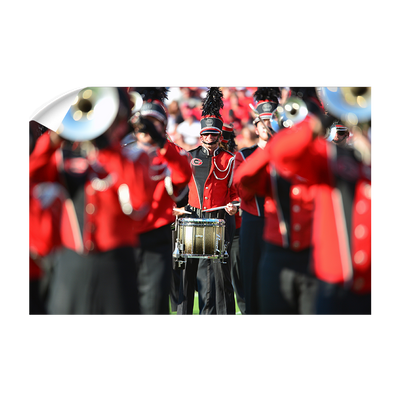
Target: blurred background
x=184 y=107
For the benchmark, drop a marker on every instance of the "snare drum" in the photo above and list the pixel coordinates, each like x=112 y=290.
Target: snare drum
x=200 y=238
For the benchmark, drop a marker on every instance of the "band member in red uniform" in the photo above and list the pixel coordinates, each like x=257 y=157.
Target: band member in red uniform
x=251 y=242
x=341 y=240
x=228 y=143
x=107 y=194
x=45 y=202
x=210 y=186
x=170 y=173
x=338 y=134
x=285 y=285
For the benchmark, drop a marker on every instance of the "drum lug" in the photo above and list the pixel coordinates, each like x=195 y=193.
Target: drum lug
x=226 y=255
x=180 y=261
x=176 y=253
x=179 y=249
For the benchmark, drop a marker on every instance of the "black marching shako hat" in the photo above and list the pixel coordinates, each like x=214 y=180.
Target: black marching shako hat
x=267 y=99
x=227 y=131
x=153 y=102
x=211 y=120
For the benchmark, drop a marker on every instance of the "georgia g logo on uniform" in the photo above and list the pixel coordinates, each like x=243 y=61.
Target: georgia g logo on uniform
x=196 y=162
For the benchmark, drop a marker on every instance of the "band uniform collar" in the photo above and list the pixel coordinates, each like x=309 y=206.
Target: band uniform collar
x=206 y=151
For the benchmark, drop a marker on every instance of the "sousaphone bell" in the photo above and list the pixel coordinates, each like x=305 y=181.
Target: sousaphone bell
x=93 y=112
x=351 y=105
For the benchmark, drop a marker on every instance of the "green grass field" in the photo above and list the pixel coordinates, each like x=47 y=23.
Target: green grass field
x=196 y=306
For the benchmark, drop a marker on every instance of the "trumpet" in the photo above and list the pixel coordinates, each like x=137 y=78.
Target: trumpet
x=91 y=114
x=289 y=114
x=351 y=105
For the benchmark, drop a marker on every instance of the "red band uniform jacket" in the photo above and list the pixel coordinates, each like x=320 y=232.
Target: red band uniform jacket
x=289 y=201
x=170 y=173
x=117 y=195
x=249 y=202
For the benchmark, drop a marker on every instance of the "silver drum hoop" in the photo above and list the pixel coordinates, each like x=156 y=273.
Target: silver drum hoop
x=201 y=222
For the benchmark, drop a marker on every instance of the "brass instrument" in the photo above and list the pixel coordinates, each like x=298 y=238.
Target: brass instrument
x=137 y=102
x=351 y=105
x=289 y=114
x=91 y=114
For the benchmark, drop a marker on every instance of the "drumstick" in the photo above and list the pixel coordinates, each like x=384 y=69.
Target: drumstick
x=184 y=212
x=220 y=208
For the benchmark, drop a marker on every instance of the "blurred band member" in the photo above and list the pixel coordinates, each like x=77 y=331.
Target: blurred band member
x=106 y=195
x=338 y=134
x=341 y=255
x=170 y=173
x=45 y=202
x=267 y=99
x=285 y=284
x=228 y=143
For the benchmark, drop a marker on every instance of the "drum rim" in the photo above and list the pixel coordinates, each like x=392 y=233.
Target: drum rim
x=208 y=256
x=201 y=221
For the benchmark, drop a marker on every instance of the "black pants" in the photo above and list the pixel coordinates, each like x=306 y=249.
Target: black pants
x=154 y=266
x=251 y=243
x=36 y=303
x=98 y=283
x=211 y=278
x=237 y=272
x=285 y=285
x=337 y=299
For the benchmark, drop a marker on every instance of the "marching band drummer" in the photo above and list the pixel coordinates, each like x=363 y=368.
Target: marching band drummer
x=107 y=194
x=170 y=173
x=210 y=186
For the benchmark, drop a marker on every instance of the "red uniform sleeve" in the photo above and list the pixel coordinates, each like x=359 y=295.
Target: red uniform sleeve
x=251 y=176
x=178 y=163
x=233 y=194
x=238 y=162
x=136 y=176
x=42 y=161
x=295 y=151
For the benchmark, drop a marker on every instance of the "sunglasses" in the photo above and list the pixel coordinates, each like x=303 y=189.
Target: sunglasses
x=212 y=134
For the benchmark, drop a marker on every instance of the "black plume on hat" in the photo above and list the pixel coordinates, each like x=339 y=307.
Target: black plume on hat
x=153 y=102
x=267 y=99
x=267 y=93
x=211 y=120
x=213 y=102
x=153 y=93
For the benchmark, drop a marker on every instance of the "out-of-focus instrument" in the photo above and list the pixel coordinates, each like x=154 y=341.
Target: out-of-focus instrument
x=137 y=102
x=200 y=238
x=92 y=113
x=289 y=114
x=352 y=105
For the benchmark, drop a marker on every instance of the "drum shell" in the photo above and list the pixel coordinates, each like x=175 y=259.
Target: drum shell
x=201 y=238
